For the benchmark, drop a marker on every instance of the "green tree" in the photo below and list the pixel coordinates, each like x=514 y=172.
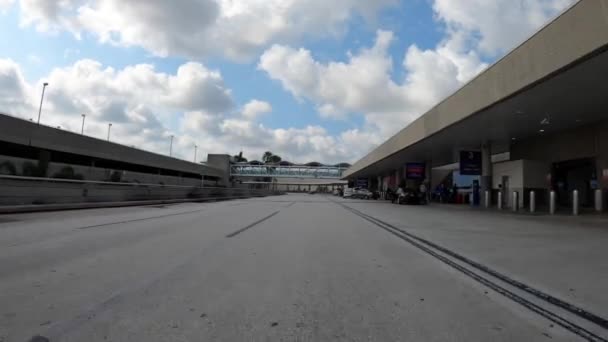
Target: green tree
x=239 y=158
x=271 y=158
x=266 y=157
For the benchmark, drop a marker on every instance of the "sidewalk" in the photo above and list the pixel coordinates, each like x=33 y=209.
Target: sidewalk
x=564 y=255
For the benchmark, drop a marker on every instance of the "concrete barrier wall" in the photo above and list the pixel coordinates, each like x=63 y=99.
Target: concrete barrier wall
x=23 y=191
x=102 y=174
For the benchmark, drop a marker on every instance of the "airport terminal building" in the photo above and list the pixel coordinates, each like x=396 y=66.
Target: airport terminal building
x=535 y=120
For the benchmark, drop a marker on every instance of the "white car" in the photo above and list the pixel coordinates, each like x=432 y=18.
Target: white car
x=362 y=193
x=348 y=192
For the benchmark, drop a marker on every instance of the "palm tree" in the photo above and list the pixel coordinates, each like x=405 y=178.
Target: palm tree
x=266 y=157
x=239 y=158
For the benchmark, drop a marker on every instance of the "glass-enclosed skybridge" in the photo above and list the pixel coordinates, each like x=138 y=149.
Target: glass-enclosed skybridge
x=317 y=171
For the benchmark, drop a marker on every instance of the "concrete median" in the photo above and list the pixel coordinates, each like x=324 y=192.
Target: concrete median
x=28 y=194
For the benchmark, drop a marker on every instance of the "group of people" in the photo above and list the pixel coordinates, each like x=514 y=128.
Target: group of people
x=419 y=196
x=445 y=194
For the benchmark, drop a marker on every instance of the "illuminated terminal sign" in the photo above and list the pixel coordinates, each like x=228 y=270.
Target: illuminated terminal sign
x=414 y=170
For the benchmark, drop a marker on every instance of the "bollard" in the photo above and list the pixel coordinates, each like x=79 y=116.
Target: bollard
x=532 y=202
x=487 y=199
x=599 y=201
x=500 y=200
x=575 y=205
x=552 y=202
x=515 y=201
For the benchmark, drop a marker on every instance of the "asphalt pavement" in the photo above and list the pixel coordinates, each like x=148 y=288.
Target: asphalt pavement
x=300 y=268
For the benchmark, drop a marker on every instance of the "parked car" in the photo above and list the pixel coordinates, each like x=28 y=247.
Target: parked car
x=348 y=193
x=362 y=193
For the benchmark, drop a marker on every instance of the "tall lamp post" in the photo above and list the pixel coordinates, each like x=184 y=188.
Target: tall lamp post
x=171 y=147
x=82 y=129
x=44 y=85
x=109 y=127
x=195 y=148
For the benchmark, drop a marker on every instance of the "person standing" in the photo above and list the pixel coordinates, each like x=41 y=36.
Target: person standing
x=423 y=193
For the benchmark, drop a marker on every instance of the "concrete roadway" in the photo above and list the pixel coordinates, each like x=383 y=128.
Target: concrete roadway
x=287 y=268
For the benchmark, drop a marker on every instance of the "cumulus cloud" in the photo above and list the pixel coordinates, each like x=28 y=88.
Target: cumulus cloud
x=255 y=108
x=475 y=31
x=198 y=107
x=136 y=99
x=5 y=5
x=233 y=28
x=364 y=83
x=146 y=107
x=496 y=26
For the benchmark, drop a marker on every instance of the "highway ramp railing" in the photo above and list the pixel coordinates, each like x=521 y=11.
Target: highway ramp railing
x=17 y=190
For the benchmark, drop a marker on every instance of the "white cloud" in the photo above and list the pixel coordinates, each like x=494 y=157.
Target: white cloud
x=233 y=28
x=364 y=84
x=144 y=102
x=146 y=106
x=5 y=5
x=255 y=108
x=13 y=87
x=497 y=26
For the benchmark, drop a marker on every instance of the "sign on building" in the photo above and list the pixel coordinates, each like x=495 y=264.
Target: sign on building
x=470 y=163
x=414 y=171
x=362 y=183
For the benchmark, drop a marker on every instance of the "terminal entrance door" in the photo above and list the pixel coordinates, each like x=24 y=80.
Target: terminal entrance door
x=574 y=175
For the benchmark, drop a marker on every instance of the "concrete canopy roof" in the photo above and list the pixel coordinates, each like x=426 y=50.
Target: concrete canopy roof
x=556 y=77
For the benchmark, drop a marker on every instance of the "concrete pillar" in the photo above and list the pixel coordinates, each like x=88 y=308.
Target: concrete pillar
x=552 y=202
x=397 y=178
x=486 y=167
x=428 y=179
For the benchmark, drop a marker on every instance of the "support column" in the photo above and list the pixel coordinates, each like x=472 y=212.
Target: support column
x=397 y=178
x=486 y=167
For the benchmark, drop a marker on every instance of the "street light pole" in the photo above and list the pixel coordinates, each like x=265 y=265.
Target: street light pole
x=195 y=148
x=44 y=85
x=82 y=129
x=171 y=147
x=109 y=127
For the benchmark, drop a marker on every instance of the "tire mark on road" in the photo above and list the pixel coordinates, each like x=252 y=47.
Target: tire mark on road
x=139 y=219
x=233 y=234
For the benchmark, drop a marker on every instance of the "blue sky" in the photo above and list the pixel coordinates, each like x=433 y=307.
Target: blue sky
x=370 y=92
